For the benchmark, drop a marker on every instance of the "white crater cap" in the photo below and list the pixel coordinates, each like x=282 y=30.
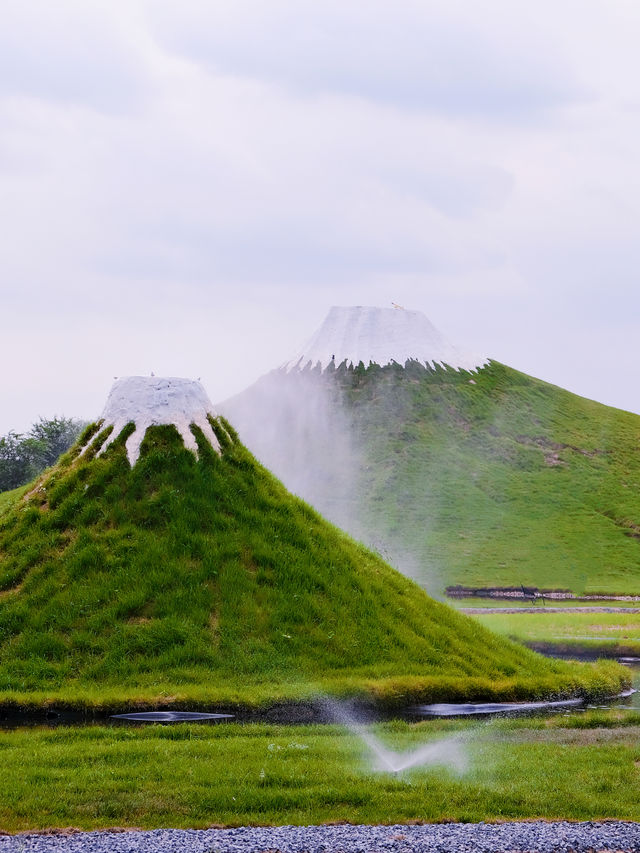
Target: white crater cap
x=380 y=336
x=154 y=401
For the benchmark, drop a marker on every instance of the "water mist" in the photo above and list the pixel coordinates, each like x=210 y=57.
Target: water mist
x=448 y=752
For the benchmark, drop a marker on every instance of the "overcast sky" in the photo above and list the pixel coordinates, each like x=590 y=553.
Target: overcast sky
x=186 y=187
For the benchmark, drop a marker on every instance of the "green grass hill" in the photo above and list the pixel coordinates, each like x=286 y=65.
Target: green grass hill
x=490 y=478
x=202 y=582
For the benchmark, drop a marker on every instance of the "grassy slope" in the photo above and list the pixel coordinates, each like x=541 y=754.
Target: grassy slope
x=507 y=481
x=181 y=582
x=195 y=776
x=8 y=499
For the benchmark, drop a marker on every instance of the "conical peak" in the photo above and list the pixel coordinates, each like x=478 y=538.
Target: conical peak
x=153 y=401
x=380 y=336
x=161 y=398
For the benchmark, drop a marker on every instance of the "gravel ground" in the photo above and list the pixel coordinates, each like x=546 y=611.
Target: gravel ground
x=534 y=837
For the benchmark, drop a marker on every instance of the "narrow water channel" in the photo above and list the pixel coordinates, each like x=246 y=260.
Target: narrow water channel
x=53 y=718
x=629 y=700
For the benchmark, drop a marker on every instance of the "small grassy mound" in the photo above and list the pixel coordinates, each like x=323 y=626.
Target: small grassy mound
x=185 y=581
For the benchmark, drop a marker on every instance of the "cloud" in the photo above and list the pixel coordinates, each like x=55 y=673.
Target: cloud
x=259 y=188
x=73 y=52
x=185 y=188
x=454 y=59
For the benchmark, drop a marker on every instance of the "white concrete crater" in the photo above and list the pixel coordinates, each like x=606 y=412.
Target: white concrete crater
x=156 y=401
x=380 y=336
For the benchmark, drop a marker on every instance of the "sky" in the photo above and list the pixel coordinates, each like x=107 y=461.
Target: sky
x=187 y=187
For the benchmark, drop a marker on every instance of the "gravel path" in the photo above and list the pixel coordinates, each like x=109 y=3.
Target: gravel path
x=533 y=837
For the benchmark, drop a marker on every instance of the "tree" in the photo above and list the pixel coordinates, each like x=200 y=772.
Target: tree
x=15 y=463
x=23 y=457
x=52 y=438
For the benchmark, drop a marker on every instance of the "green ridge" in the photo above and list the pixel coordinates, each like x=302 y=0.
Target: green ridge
x=482 y=479
x=501 y=479
x=199 y=582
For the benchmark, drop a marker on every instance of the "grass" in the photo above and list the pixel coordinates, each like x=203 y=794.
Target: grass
x=523 y=604
x=486 y=479
x=509 y=481
x=616 y=630
x=10 y=498
x=196 y=776
x=187 y=582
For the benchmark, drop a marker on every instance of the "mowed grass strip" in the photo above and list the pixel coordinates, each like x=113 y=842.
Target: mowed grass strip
x=197 y=776
x=622 y=628
x=541 y=604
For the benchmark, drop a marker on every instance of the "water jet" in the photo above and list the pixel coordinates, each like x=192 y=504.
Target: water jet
x=447 y=752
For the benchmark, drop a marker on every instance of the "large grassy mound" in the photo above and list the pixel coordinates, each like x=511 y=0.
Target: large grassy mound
x=204 y=581
x=485 y=479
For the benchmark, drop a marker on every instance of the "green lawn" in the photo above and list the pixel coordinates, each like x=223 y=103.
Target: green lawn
x=586 y=629
x=196 y=776
x=539 y=604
